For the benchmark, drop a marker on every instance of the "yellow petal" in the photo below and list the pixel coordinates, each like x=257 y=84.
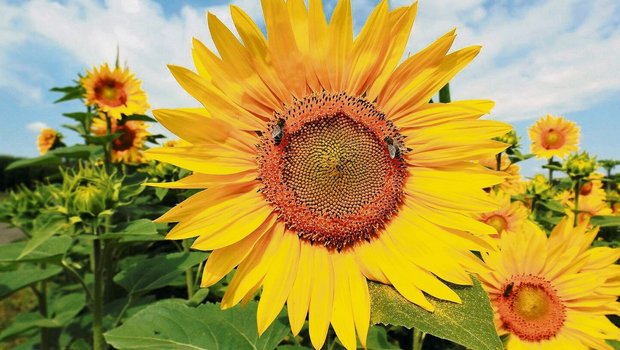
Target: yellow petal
x=299 y=299
x=342 y=313
x=222 y=261
x=211 y=159
x=433 y=114
x=340 y=45
x=278 y=281
x=321 y=298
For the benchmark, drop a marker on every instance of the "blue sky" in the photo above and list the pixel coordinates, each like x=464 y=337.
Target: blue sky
x=538 y=57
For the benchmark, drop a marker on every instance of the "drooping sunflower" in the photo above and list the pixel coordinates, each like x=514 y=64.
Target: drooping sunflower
x=48 y=139
x=554 y=136
x=513 y=183
x=553 y=293
x=114 y=91
x=127 y=148
x=326 y=165
x=508 y=218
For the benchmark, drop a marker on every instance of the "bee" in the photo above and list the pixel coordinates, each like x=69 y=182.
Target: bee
x=508 y=289
x=395 y=148
x=278 y=131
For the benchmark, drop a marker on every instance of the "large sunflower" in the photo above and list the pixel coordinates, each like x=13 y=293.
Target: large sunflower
x=554 y=136
x=127 y=147
x=553 y=293
x=326 y=165
x=114 y=91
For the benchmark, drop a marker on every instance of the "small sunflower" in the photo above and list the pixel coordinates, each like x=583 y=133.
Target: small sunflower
x=508 y=218
x=127 y=148
x=326 y=165
x=553 y=293
x=590 y=206
x=114 y=92
x=48 y=139
x=513 y=183
x=554 y=136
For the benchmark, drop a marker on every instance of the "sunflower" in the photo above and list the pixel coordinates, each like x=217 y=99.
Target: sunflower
x=508 y=218
x=553 y=293
x=554 y=136
x=127 y=148
x=513 y=183
x=114 y=92
x=48 y=139
x=590 y=206
x=326 y=165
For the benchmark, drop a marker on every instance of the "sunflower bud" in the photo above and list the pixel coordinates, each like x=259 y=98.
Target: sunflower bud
x=89 y=199
x=510 y=138
x=580 y=165
x=538 y=185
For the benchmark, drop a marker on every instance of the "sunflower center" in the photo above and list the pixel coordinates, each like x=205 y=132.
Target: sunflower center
x=530 y=308
x=125 y=140
x=553 y=139
x=110 y=92
x=498 y=222
x=327 y=168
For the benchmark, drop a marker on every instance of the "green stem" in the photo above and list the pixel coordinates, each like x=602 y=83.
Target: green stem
x=418 y=339
x=42 y=295
x=444 y=94
x=79 y=278
x=550 y=171
x=577 y=190
x=118 y=319
x=189 y=278
x=108 y=145
x=498 y=159
x=98 y=340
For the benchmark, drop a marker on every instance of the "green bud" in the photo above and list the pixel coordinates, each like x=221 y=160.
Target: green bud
x=580 y=165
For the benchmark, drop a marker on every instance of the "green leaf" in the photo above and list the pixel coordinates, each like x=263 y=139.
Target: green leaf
x=614 y=344
x=151 y=273
x=139 y=117
x=469 y=324
x=171 y=324
x=378 y=339
x=45 y=226
x=553 y=205
x=137 y=231
x=79 y=116
x=47 y=159
x=12 y=281
x=605 y=220
x=160 y=192
x=51 y=249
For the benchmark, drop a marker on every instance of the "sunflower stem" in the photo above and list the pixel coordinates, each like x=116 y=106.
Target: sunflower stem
x=189 y=278
x=42 y=296
x=98 y=341
x=577 y=190
x=550 y=171
x=418 y=339
x=444 y=94
x=108 y=148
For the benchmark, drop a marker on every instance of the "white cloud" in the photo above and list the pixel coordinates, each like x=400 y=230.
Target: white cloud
x=547 y=56
x=36 y=127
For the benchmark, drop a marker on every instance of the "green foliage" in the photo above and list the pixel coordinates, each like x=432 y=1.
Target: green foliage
x=469 y=324
x=171 y=324
x=12 y=281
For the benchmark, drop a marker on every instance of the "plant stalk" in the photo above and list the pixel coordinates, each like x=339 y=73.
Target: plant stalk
x=42 y=296
x=418 y=339
x=98 y=340
x=189 y=278
x=444 y=94
x=577 y=190
x=550 y=171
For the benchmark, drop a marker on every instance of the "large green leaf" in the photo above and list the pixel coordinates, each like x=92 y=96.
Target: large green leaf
x=12 y=281
x=172 y=325
x=47 y=159
x=54 y=156
x=151 y=273
x=62 y=311
x=136 y=231
x=378 y=339
x=51 y=249
x=44 y=227
x=605 y=220
x=469 y=324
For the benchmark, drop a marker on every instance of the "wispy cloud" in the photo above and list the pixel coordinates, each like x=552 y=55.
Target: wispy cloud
x=36 y=127
x=539 y=57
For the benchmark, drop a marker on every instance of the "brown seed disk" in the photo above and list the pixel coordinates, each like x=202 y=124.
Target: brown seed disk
x=329 y=173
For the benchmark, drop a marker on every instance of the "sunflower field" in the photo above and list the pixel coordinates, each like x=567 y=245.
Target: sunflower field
x=327 y=194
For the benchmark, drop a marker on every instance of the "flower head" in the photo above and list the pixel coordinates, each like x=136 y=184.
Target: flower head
x=550 y=293
x=513 y=183
x=580 y=165
x=554 y=136
x=48 y=139
x=114 y=91
x=127 y=148
x=508 y=218
x=326 y=165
